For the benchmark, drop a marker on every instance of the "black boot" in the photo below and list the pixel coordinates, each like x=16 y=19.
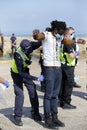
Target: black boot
x=56 y=121
x=49 y=124
x=35 y=115
x=68 y=106
x=76 y=85
x=18 y=122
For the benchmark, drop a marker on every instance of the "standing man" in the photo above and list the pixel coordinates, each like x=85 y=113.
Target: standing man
x=20 y=75
x=13 y=43
x=52 y=72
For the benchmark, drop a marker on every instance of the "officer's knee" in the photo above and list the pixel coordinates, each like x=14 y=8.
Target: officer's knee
x=18 y=91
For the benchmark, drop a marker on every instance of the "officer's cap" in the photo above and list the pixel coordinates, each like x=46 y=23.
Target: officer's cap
x=25 y=44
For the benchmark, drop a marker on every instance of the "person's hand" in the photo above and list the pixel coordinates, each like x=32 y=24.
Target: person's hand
x=35 y=33
x=41 y=78
x=81 y=41
x=6 y=83
x=77 y=53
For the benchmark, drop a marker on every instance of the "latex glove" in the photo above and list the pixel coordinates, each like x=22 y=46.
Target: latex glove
x=77 y=53
x=41 y=78
x=6 y=83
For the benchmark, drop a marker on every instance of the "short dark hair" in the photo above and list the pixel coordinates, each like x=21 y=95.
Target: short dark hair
x=48 y=29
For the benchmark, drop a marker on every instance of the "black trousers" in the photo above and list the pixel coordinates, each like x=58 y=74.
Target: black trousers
x=67 y=83
x=19 y=96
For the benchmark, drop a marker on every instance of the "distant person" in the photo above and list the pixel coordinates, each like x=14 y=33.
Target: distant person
x=13 y=43
x=1 y=44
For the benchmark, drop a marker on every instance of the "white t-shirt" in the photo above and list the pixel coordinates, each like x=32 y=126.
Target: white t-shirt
x=51 y=48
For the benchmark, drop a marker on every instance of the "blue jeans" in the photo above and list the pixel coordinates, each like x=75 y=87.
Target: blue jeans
x=52 y=76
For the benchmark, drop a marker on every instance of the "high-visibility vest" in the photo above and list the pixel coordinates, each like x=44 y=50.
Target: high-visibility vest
x=65 y=57
x=24 y=58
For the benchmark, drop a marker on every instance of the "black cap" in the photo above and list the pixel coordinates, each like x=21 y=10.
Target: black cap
x=25 y=44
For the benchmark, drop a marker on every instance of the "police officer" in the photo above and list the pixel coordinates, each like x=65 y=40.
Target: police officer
x=67 y=57
x=20 y=74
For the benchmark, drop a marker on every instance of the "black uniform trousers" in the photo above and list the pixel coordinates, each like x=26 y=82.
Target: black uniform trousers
x=19 y=96
x=67 y=83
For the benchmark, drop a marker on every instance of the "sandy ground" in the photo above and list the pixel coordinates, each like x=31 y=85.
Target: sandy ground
x=73 y=119
x=7 y=45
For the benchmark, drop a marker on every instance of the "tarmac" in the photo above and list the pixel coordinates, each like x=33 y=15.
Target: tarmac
x=75 y=119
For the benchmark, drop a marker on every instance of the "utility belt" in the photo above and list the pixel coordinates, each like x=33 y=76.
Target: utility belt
x=67 y=64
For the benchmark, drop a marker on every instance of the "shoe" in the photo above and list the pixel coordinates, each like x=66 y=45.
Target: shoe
x=76 y=85
x=68 y=106
x=18 y=122
x=36 y=117
x=56 y=121
x=49 y=124
x=85 y=96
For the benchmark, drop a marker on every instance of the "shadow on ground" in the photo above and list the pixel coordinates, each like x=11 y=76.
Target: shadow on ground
x=80 y=94
x=8 y=113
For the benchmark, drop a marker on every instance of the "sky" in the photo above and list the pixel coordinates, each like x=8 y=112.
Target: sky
x=22 y=16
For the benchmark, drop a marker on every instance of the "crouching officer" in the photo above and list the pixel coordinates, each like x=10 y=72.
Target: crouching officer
x=20 y=74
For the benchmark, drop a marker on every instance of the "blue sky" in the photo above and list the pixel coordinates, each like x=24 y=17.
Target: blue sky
x=22 y=16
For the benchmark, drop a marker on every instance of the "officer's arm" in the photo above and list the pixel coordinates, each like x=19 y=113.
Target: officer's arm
x=67 y=41
x=35 y=45
x=70 y=49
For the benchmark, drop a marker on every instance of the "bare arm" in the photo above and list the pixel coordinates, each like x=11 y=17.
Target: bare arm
x=67 y=41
